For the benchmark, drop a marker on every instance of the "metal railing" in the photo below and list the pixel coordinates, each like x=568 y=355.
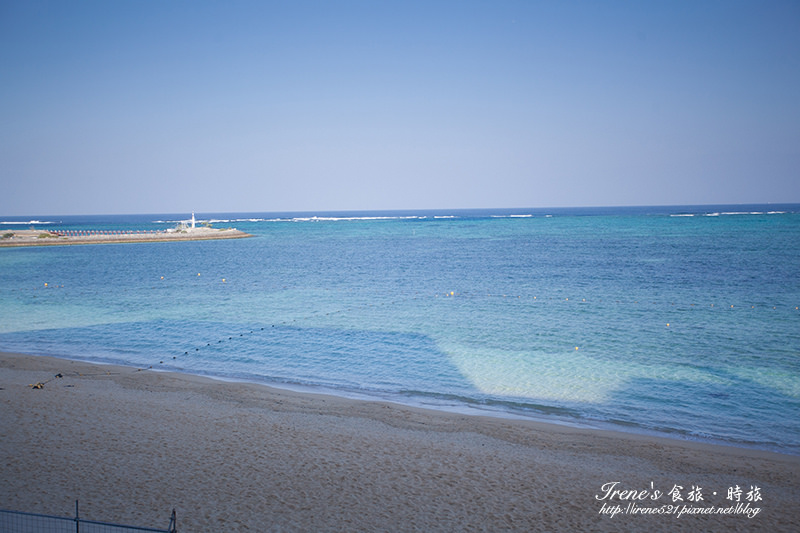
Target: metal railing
x=22 y=522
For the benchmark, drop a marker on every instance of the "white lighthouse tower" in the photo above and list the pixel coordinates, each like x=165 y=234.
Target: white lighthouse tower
x=192 y=219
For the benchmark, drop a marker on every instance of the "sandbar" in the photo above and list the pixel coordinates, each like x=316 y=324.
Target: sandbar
x=132 y=444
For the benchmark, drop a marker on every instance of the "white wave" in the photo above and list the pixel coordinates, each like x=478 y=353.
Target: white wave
x=348 y=219
x=294 y=219
x=10 y=222
x=228 y=220
x=728 y=213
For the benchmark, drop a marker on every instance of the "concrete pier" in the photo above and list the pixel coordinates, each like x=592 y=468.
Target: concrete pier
x=34 y=237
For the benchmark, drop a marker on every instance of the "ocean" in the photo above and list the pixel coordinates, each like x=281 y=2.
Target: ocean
x=678 y=321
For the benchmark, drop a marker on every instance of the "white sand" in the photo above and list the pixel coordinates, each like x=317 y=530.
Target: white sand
x=131 y=445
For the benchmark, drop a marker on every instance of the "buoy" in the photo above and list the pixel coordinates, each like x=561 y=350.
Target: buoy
x=223 y=280
x=45 y=284
x=452 y=293
x=162 y=277
x=576 y=348
x=198 y=273
x=667 y=324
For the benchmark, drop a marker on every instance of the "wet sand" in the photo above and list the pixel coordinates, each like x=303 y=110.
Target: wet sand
x=132 y=444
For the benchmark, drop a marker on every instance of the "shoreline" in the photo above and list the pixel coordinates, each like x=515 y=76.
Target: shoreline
x=32 y=237
x=464 y=409
x=131 y=444
x=469 y=410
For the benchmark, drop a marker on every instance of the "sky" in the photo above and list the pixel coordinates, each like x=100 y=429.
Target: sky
x=115 y=107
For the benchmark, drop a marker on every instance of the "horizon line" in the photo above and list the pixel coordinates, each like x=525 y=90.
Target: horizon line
x=415 y=210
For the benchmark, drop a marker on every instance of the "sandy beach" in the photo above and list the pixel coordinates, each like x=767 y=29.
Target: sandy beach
x=132 y=444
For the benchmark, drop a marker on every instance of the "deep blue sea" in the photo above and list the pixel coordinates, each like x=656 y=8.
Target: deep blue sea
x=675 y=320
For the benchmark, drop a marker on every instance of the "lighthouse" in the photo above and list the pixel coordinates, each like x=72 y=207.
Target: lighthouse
x=192 y=219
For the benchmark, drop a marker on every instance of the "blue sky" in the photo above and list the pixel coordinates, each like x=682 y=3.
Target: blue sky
x=169 y=106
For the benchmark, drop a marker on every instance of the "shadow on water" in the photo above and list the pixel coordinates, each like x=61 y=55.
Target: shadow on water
x=731 y=408
x=412 y=368
x=352 y=360
x=400 y=366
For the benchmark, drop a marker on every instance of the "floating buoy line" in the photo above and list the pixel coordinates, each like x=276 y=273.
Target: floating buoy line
x=247 y=332
x=451 y=295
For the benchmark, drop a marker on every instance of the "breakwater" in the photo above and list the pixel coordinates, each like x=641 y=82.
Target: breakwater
x=33 y=237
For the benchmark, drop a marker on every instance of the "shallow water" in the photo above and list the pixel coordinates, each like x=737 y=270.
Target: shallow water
x=676 y=320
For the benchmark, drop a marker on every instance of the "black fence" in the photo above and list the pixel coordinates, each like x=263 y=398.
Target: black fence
x=21 y=522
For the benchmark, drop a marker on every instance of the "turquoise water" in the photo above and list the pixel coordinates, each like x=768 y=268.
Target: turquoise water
x=679 y=320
